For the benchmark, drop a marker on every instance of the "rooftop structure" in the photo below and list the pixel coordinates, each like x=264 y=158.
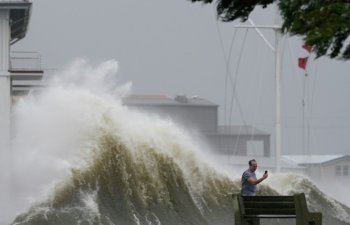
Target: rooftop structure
x=165 y=100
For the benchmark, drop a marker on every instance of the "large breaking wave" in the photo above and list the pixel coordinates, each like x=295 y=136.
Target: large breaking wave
x=94 y=161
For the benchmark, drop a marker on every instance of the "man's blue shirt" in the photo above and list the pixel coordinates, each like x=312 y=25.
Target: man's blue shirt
x=247 y=188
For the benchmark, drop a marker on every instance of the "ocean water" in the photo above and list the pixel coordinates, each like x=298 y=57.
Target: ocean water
x=81 y=157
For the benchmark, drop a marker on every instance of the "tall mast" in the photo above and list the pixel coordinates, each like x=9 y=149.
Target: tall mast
x=278 y=50
x=278 y=65
x=279 y=43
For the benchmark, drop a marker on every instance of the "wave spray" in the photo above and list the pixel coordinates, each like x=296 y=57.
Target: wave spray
x=81 y=157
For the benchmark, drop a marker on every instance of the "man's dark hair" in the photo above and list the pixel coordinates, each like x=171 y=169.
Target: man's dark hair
x=250 y=161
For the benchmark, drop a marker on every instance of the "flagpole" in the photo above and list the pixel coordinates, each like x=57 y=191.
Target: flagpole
x=302 y=63
x=303 y=115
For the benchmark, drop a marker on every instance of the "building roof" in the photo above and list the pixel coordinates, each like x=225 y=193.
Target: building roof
x=314 y=159
x=165 y=100
x=19 y=17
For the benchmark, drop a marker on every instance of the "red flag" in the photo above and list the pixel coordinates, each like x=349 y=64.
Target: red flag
x=307 y=47
x=302 y=62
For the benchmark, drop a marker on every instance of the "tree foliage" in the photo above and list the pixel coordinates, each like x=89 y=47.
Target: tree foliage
x=324 y=24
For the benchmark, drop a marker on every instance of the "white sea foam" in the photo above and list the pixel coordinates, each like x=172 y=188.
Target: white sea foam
x=51 y=128
x=90 y=208
x=56 y=128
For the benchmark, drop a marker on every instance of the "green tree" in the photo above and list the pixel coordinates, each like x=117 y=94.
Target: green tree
x=323 y=24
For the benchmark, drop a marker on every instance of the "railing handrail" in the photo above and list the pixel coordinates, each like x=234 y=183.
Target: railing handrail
x=25 y=58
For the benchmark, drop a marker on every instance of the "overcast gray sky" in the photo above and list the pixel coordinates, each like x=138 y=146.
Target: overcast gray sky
x=172 y=46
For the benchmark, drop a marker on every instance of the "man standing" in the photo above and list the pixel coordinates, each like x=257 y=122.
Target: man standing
x=249 y=180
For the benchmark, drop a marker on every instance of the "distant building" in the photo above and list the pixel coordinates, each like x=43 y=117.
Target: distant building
x=323 y=168
x=201 y=116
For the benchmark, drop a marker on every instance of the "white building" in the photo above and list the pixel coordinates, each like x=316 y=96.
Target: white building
x=323 y=169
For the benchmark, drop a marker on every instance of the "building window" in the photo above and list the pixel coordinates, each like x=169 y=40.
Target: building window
x=345 y=170
x=338 y=170
x=342 y=170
